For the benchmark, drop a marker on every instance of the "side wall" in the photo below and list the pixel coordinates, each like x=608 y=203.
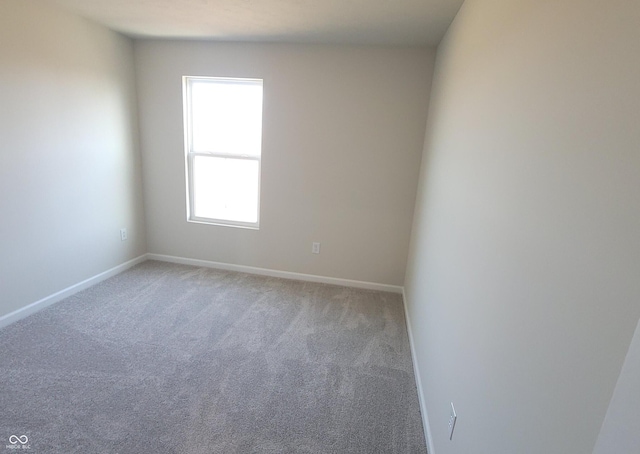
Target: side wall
x=522 y=284
x=70 y=172
x=342 y=140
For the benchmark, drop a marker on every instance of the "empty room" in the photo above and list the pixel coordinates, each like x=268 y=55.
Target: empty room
x=283 y=226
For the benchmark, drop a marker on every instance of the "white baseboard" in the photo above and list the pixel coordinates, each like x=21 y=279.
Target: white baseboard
x=62 y=294
x=32 y=308
x=277 y=273
x=416 y=371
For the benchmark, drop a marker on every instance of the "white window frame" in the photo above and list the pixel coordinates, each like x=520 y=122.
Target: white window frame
x=190 y=154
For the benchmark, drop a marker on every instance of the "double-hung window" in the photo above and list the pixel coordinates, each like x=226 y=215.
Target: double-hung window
x=223 y=138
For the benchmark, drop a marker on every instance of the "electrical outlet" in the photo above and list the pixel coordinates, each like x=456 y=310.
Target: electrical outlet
x=315 y=248
x=123 y=234
x=453 y=417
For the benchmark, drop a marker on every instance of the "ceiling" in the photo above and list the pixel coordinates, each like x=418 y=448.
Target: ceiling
x=392 y=22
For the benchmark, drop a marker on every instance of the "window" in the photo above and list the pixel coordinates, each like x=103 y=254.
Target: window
x=223 y=136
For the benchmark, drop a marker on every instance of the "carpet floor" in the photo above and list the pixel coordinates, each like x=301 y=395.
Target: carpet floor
x=168 y=358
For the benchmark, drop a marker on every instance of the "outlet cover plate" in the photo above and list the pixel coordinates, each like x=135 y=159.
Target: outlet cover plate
x=453 y=417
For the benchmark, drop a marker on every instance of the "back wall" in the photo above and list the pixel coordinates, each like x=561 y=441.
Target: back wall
x=342 y=140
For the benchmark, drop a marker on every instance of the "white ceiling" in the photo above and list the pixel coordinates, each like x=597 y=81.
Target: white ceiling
x=414 y=22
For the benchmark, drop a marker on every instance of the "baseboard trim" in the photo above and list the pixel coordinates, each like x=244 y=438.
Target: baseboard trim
x=416 y=372
x=277 y=273
x=32 y=308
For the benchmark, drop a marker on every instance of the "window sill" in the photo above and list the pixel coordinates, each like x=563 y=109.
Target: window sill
x=223 y=224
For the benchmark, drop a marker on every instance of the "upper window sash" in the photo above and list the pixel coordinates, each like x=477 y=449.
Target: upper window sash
x=217 y=123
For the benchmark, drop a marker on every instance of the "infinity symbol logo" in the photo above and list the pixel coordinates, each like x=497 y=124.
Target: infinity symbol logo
x=14 y=439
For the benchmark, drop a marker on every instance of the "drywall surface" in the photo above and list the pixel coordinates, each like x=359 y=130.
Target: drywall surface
x=70 y=173
x=522 y=282
x=343 y=129
x=621 y=428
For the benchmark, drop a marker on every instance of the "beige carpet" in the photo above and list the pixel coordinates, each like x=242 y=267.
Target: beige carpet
x=167 y=359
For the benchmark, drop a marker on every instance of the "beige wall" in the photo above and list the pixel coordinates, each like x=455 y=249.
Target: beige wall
x=342 y=140
x=69 y=164
x=522 y=281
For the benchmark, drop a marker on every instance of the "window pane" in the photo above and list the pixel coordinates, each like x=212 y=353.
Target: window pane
x=225 y=188
x=226 y=116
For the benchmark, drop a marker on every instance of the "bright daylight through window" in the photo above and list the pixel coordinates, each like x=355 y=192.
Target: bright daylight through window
x=223 y=136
